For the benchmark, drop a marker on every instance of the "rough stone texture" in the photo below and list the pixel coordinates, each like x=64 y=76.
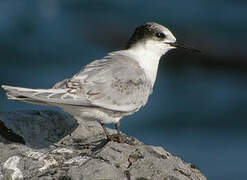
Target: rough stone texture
x=50 y=145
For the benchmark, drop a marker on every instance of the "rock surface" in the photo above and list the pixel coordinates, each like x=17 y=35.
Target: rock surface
x=52 y=145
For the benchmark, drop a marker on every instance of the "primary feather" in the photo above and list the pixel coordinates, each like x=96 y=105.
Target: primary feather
x=122 y=88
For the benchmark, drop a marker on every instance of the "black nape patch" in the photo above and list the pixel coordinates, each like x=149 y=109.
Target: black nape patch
x=9 y=135
x=142 y=32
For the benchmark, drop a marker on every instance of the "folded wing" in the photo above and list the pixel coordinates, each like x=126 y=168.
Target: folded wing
x=116 y=83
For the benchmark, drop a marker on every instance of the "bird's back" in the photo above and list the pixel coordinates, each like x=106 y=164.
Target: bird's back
x=116 y=83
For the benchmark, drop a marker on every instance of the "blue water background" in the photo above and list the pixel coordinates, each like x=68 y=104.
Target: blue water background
x=198 y=109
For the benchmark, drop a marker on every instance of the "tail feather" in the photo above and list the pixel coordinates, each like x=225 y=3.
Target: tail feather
x=43 y=96
x=49 y=97
x=34 y=96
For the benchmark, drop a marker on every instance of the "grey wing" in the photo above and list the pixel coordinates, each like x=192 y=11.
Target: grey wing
x=115 y=82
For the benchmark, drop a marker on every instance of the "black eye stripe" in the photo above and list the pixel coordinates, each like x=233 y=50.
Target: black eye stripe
x=160 y=35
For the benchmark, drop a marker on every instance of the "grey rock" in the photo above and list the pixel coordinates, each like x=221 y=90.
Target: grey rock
x=52 y=145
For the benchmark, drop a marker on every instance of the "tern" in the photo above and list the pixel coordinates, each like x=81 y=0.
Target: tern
x=110 y=88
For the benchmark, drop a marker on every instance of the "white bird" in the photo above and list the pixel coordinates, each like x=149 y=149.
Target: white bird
x=110 y=88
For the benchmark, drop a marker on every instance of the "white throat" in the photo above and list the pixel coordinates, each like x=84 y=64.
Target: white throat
x=147 y=58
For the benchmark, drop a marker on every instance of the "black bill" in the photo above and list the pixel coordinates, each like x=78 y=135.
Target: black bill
x=184 y=46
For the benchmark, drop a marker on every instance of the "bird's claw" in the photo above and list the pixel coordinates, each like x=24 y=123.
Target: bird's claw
x=116 y=138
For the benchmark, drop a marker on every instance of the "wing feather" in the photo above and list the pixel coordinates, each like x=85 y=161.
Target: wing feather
x=117 y=83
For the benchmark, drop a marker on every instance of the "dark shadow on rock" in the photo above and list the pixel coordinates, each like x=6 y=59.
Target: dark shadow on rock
x=8 y=135
x=36 y=129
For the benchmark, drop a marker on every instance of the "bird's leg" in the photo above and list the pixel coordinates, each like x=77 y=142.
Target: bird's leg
x=106 y=132
x=116 y=137
x=113 y=137
x=117 y=126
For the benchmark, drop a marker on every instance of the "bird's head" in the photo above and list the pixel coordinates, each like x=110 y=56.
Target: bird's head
x=154 y=37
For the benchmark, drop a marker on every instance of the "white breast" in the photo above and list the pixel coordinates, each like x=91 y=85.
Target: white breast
x=147 y=60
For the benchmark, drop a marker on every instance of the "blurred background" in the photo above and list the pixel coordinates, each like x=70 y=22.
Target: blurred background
x=198 y=109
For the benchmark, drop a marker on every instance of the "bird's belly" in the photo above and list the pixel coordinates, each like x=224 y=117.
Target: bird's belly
x=94 y=114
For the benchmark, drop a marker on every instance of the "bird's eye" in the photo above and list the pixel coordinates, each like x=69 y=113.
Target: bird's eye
x=160 y=35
